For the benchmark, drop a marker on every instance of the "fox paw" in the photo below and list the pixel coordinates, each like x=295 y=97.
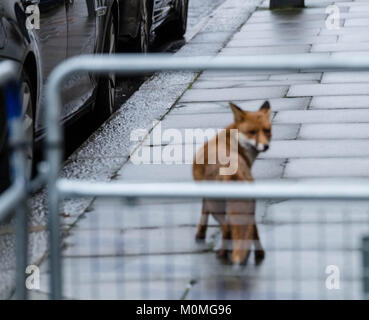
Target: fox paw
x=259 y=256
x=200 y=237
x=222 y=254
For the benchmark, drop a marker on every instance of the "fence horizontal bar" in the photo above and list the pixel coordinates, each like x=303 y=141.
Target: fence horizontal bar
x=10 y=199
x=229 y=190
x=136 y=64
x=126 y=64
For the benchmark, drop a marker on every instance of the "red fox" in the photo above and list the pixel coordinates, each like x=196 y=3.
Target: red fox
x=236 y=217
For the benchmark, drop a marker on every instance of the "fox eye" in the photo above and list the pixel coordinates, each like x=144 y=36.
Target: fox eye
x=252 y=132
x=267 y=131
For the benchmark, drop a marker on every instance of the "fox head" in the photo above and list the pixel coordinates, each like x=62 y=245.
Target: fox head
x=254 y=128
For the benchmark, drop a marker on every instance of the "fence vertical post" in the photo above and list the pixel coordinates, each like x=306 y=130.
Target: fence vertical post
x=54 y=154
x=19 y=176
x=365 y=252
x=22 y=250
x=55 y=255
x=277 y=4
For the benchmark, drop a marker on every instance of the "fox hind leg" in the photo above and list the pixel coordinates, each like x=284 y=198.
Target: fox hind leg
x=217 y=209
x=259 y=250
x=226 y=241
x=203 y=224
x=241 y=220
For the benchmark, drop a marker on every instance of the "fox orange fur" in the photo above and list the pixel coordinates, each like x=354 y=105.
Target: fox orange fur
x=236 y=217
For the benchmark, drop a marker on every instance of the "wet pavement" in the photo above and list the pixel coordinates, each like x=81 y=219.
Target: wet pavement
x=146 y=249
x=83 y=166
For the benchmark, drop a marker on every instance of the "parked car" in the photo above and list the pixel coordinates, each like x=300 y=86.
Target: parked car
x=70 y=28
x=66 y=29
x=142 y=20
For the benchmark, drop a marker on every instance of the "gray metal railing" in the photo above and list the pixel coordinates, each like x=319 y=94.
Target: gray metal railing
x=58 y=188
x=13 y=200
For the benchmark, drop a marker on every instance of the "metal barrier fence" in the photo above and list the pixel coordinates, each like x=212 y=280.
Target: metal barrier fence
x=58 y=189
x=15 y=197
x=13 y=201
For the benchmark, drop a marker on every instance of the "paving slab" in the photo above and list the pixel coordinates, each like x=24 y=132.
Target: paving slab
x=210 y=37
x=349 y=148
x=284 y=25
x=272 y=33
x=112 y=278
x=328 y=213
x=144 y=214
x=282 y=16
x=334 y=131
x=208 y=84
x=339 y=47
x=284 y=277
x=344 y=77
x=322 y=116
x=240 y=41
x=328 y=89
x=353 y=38
x=252 y=105
x=359 y=8
x=332 y=167
x=344 y=31
x=307 y=236
x=356 y=22
x=301 y=76
x=307 y=11
x=234 y=94
x=242 y=75
x=265 y=50
x=114 y=242
x=263 y=169
x=340 y=102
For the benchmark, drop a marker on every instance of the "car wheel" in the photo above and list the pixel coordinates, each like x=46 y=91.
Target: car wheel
x=28 y=99
x=178 y=27
x=143 y=39
x=105 y=102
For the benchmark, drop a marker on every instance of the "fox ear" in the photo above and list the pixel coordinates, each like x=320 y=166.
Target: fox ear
x=265 y=107
x=239 y=114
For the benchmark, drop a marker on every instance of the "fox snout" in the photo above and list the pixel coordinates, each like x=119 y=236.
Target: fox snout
x=262 y=147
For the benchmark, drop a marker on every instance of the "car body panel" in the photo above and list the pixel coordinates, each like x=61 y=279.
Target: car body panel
x=50 y=45
x=163 y=11
x=81 y=40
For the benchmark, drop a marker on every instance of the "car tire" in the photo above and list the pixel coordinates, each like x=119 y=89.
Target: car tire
x=142 y=41
x=105 y=101
x=177 y=28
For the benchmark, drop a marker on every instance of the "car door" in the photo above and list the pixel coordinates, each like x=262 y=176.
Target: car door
x=81 y=17
x=51 y=38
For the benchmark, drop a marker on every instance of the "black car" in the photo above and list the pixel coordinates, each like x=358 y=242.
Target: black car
x=68 y=28
x=141 y=23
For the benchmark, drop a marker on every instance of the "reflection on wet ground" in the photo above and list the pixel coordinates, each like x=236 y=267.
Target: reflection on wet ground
x=147 y=250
